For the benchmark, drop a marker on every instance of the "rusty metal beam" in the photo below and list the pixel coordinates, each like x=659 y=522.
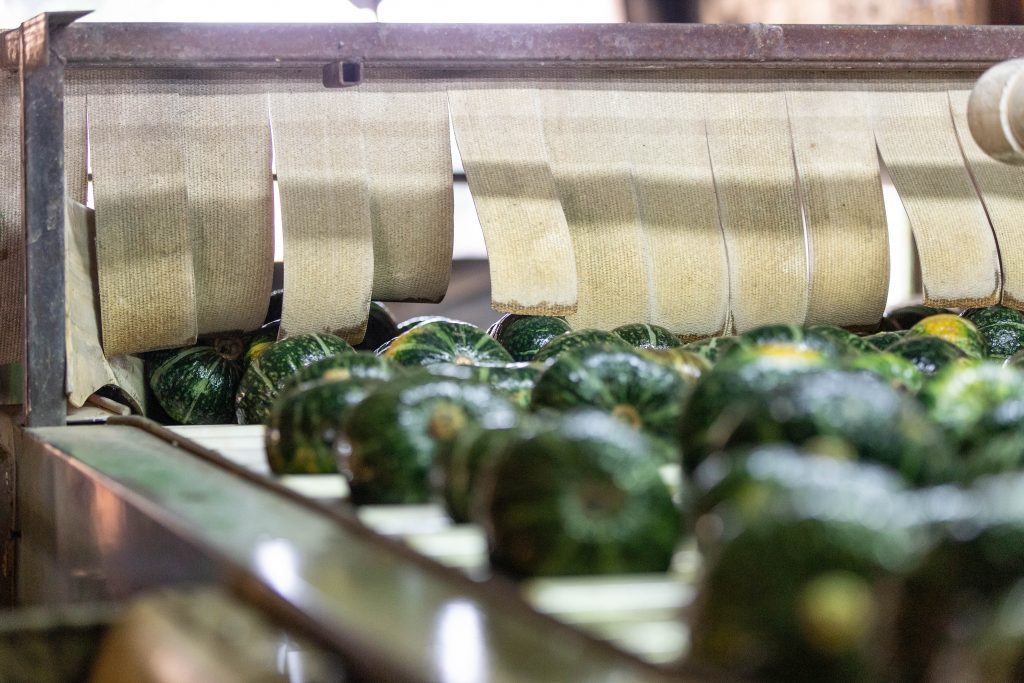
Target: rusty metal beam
x=463 y=45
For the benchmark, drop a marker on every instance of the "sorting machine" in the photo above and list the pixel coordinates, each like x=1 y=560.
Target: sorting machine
x=97 y=506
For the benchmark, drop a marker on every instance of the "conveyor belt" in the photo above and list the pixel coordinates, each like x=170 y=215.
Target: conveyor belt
x=640 y=613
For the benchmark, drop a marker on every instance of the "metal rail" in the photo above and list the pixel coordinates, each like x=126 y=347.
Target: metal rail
x=43 y=47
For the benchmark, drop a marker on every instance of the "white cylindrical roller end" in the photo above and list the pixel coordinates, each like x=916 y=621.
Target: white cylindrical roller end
x=995 y=112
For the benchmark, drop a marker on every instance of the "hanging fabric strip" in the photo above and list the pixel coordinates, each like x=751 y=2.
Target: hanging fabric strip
x=230 y=204
x=409 y=163
x=841 y=189
x=325 y=213
x=586 y=138
x=1002 y=192
x=143 y=244
x=752 y=159
x=918 y=144
x=75 y=143
x=675 y=189
x=529 y=250
x=12 y=242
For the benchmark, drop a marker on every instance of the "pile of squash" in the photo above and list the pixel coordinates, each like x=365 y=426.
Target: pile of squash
x=858 y=501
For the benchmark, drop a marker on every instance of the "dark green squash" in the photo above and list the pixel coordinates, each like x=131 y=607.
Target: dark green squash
x=990 y=315
x=394 y=436
x=644 y=336
x=442 y=341
x=929 y=354
x=409 y=323
x=514 y=380
x=881 y=341
x=689 y=364
x=580 y=496
x=380 y=328
x=880 y=424
x=899 y=372
x=459 y=467
x=825 y=342
x=197 y=384
x=711 y=347
x=643 y=393
x=270 y=371
x=855 y=344
x=345 y=365
x=524 y=335
x=1003 y=339
x=577 y=340
x=305 y=422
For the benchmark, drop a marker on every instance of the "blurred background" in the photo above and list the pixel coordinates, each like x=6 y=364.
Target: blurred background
x=469 y=294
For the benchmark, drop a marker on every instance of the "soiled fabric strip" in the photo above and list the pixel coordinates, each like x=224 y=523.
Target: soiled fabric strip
x=918 y=144
x=87 y=368
x=529 y=250
x=588 y=148
x=1002 y=192
x=841 y=190
x=143 y=244
x=408 y=157
x=675 y=190
x=752 y=159
x=325 y=213
x=12 y=242
x=230 y=204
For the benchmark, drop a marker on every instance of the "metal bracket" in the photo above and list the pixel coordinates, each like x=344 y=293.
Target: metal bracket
x=31 y=40
x=343 y=74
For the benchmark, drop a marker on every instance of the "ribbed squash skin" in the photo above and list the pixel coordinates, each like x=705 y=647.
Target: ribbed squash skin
x=579 y=339
x=824 y=342
x=958 y=331
x=345 y=365
x=197 y=385
x=460 y=466
x=416 y=321
x=269 y=372
x=395 y=434
x=814 y=611
x=305 y=421
x=645 y=394
x=1001 y=328
x=524 y=335
x=712 y=347
x=879 y=423
x=442 y=341
x=851 y=341
x=974 y=402
x=929 y=354
x=581 y=496
x=899 y=372
x=881 y=341
x=380 y=328
x=690 y=365
x=644 y=336
x=513 y=380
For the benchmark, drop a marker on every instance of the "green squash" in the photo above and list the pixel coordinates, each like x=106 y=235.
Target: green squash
x=418 y=320
x=381 y=328
x=524 y=335
x=578 y=340
x=899 y=372
x=722 y=393
x=711 y=347
x=459 y=467
x=879 y=423
x=514 y=380
x=990 y=315
x=345 y=365
x=929 y=354
x=689 y=364
x=197 y=384
x=1002 y=339
x=644 y=336
x=799 y=589
x=580 y=496
x=269 y=372
x=973 y=402
x=393 y=437
x=881 y=341
x=261 y=340
x=442 y=341
x=958 y=331
x=905 y=317
x=642 y=393
x=305 y=422
x=825 y=342
x=854 y=344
